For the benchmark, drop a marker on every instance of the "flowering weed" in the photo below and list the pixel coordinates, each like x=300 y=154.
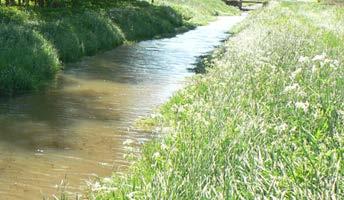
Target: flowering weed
x=265 y=122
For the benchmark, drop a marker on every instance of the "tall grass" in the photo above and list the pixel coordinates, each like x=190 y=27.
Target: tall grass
x=27 y=60
x=334 y=2
x=43 y=35
x=80 y=34
x=143 y=23
x=266 y=121
x=199 y=11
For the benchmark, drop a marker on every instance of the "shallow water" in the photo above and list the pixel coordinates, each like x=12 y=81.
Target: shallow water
x=75 y=130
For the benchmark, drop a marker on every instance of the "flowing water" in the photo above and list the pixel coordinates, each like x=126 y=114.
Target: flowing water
x=75 y=130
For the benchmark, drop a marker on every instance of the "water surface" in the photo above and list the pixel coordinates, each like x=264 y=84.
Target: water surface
x=76 y=129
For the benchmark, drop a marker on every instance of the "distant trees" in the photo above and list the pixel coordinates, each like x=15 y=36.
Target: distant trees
x=56 y=3
x=40 y=3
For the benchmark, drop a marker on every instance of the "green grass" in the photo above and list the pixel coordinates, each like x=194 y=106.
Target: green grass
x=27 y=60
x=199 y=11
x=79 y=34
x=47 y=37
x=266 y=121
x=334 y=2
x=143 y=23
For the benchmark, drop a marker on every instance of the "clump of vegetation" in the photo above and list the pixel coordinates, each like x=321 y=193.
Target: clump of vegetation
x=27 y=60
x=68 y=30
x=138 y=23
x=199 y=11
x=266 y=121
x=79 y=34
x=333 y=2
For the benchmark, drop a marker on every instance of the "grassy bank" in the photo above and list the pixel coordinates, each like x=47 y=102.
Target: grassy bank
x=333 y=2
x=266 y=121
x=35 y=41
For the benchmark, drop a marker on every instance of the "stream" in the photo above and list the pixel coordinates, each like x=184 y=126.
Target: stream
x=74 y=131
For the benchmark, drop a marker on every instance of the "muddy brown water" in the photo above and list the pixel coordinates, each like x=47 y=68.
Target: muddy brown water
x=75 y=130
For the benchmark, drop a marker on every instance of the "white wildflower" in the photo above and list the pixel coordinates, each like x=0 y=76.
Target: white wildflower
x=316 y=114
x=156 y=155
x=163 y=146
x=180 y=109
x=319 y=57
x=95 y=186
x=326 y=61
x=281 y=127
x=335 y=62
x=129 y=148
x=302 y=105
x=292 y=87
x=301 y=93
x=303 y=59
x=131 y=195
x=293 y=129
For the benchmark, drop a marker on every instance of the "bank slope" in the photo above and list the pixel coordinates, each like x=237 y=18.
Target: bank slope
x=34 y=42
x=266 y=121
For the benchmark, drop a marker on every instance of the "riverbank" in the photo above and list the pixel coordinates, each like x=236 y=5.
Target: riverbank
x=266 y=119
x=36 y=41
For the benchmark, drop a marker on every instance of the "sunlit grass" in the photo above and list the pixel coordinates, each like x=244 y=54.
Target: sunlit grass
x=49 y=36
x=199 y=11
x=266 y=121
